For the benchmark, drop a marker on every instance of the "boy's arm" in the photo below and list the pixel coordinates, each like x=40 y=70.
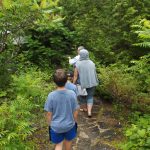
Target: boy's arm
x=75 y=115
x=75 y=75
x=48 y=117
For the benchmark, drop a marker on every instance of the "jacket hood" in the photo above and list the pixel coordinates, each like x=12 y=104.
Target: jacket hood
x=84 y=54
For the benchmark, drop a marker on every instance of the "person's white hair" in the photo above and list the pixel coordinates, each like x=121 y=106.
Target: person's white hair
x=80 y=48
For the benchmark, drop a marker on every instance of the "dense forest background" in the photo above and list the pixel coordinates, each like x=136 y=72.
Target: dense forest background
x=37 y=36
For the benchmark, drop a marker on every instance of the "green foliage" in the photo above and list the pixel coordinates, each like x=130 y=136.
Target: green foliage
x=121 y=85
x=32 y=84
x=16 y=17
x=127 y=84
x=87 y=19
x=104 y=27
x=143 y=33
x=29 y=89
x=5 y=76
x=47 y=47
x=34 y=29
x=138 y=135
x=44 y=32
x=15 y=124
x=140 y=69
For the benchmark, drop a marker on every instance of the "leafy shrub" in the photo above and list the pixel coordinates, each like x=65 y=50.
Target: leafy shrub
x=30 y=88
x=47 y=47
x=129 y=84
x=15 y=124
x=140 y=69
x=121 y=85
x=32 y=84
x=142 y=102
x=143 y=33
x=138 y=135
x=5 y=76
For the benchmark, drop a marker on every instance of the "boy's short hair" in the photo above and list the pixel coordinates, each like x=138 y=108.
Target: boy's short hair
x=60 y=77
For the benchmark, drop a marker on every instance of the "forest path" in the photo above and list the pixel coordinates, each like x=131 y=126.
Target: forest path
x=101 y=132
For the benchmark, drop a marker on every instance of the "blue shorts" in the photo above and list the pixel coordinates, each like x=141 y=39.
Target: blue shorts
x=59 y=137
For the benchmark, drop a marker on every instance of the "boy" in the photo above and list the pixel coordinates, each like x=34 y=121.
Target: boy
x=62 y=111
x=69 y=85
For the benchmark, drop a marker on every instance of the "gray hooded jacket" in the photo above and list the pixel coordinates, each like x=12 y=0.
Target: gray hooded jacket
x=87 y=71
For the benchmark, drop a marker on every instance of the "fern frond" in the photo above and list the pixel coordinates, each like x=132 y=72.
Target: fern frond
x=144 y=34
x=11 y=136
x=143 y=44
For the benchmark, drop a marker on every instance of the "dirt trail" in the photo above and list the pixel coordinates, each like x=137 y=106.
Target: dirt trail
x=101 y=132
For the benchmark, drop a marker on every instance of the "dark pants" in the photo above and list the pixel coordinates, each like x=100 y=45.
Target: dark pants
x=89 y=98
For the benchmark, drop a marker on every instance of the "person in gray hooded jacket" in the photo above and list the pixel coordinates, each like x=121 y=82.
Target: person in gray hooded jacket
x=86 y=70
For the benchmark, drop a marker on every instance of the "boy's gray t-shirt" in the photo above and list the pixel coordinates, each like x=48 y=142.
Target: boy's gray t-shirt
x=62 y=104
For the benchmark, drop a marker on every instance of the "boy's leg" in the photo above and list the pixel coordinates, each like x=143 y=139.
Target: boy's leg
x=59 y=146
x=69 y=136
x=67 y=145
x=56 y=138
